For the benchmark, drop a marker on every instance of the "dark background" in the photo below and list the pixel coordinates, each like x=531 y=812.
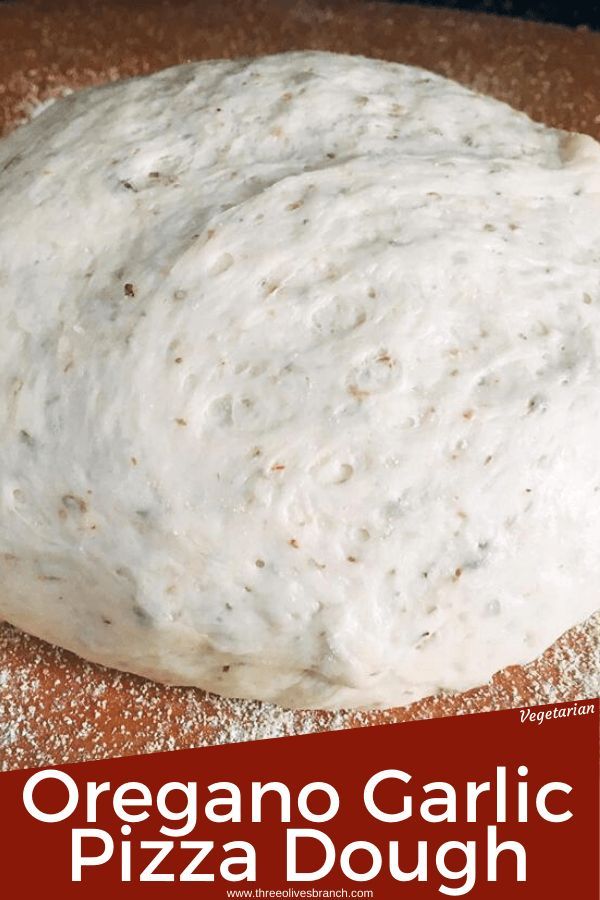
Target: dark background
x=577 y=12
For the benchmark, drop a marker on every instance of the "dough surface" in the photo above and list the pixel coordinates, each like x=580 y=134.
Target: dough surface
x=299 y=385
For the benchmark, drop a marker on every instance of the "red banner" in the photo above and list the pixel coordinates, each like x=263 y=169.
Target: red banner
x=498 y=805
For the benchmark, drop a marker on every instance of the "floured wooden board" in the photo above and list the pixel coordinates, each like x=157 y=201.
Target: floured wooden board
x=55 y=708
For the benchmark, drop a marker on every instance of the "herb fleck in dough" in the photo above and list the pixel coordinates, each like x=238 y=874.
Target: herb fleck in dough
x=299 y=380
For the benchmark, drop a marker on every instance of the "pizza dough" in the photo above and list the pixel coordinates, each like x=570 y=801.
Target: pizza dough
x=299 y=387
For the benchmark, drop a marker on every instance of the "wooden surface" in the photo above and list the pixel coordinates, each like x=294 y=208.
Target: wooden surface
x=57 y=708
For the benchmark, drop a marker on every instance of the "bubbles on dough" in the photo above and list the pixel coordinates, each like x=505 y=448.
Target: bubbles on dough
x=330 y=470
x=338 y=316
x=221 y=264
x=373 y=373
x=262 y=399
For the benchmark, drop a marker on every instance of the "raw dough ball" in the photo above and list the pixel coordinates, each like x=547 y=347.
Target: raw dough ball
x=299 y=388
